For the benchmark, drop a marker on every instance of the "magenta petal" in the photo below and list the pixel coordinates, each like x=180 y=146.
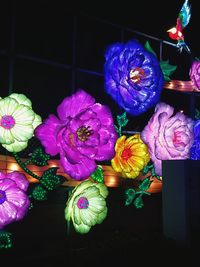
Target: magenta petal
x=104 y=135
x=87 y=114
x=75 y=124
x=104 y=114
x=106 y=152
x=2 y=175
x=80 y=171
x=16 y=196
x=22 y=212
x=8 y=213
x=47 y=132
x=93 y=124
x=89 y=152
x=19 y=179
x=7 y=183
x=93 y=140
x=71 y=152
x=75 y=104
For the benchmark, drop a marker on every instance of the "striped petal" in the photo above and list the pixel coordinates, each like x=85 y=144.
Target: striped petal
x=8 y=106
x=21 y=99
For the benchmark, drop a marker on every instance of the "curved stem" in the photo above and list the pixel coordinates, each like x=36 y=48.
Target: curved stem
x=23 y=166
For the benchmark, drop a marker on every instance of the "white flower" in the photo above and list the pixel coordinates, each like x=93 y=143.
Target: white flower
x=87 y=206
x=17 y=122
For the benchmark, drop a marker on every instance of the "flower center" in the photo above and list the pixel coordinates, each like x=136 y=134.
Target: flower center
x=2 y=196
x=83 y=203
x=126 y=154
x=7 y=122
x=177 y=138
x=84 y=132
x=136 y=74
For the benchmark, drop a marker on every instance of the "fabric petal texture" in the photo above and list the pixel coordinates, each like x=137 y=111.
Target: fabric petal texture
x=86 y=205
x=83 y=133
x=133 y=77
x=14 y=202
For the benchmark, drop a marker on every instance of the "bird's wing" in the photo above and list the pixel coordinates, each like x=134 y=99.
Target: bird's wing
x=185 y=14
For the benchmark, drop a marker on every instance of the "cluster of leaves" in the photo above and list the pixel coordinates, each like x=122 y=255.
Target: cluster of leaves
x=167 y=69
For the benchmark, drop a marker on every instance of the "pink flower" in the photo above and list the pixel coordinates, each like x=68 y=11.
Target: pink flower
x=195 y=74
x=14 y=202
x=83 y=132
x=168 y=136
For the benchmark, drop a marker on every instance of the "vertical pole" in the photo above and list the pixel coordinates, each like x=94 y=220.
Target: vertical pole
x=12 y=48
x=74 y=53
x=161 y=50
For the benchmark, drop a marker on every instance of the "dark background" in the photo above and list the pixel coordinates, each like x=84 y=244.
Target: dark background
x=49 y=49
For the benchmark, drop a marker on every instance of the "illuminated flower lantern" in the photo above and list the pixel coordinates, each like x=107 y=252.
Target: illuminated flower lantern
x=195 y=74
x=168 y=136
x=83 y=133
x=87 y=206
x=131 y=156
x=17 y=122
x=195 y=149
x=133 y=77
x=14 y=202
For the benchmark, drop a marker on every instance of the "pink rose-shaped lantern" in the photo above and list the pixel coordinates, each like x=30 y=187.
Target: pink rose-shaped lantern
x=14 y=201
x=195 y=74
x=83 y=132
x=168 y=136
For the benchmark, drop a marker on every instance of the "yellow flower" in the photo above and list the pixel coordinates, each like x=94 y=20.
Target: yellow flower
x=131 y=156
x=17 y=122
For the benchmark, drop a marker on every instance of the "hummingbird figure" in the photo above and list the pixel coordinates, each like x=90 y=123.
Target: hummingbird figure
x=176 y=33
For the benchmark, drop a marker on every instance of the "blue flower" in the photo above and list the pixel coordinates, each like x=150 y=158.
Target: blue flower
x=133 y=77
x=195 y=149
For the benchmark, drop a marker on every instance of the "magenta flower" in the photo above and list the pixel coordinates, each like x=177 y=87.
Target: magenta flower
x=168 y=136
x=83 y=133
x=14 y=202
x=195 y=74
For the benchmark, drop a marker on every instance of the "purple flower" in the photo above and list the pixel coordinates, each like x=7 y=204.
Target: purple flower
x=195 y=74
x=195 y=149
x=168 y=136
x=14 y=202
x=83 y=133
x=133 y=77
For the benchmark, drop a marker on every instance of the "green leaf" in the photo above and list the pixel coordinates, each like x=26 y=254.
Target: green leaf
x=197 y=114
x=39 y=157
x=167 y=69
x=138 y=202
x=50 y=180
x=5 y=239
x=98 y=175
x=39 y=193
x=129 y=194
x=149 y=48
x=122 y=120
x=145 y=184
x=145 y=170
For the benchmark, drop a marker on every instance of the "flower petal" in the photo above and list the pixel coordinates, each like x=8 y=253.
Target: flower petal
x=23 y=115
x=6 y=136
x=19 y=179
x=8 y=213
x=88 y=217
x=75 y=104
x=47 y=132
x=16 y=146
x=22 y=133
x=8 y=106
x=21 y=99
x=79 y=171
x=6 y=183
